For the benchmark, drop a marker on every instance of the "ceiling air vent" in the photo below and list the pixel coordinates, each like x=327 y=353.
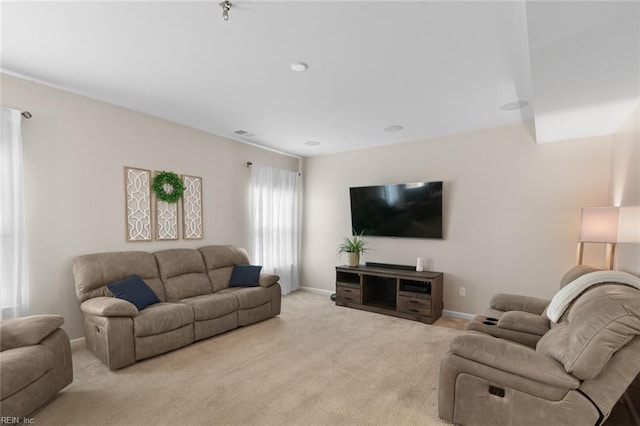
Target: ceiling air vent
x=244 y=133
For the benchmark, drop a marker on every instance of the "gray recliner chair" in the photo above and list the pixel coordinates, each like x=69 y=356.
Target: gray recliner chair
x=574 y=375
x=35 y=363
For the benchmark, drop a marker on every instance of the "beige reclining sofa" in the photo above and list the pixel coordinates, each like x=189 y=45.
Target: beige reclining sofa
x=196 y=300
x=573 y=375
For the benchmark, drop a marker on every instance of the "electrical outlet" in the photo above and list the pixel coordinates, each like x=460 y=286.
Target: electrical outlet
x=462 y=291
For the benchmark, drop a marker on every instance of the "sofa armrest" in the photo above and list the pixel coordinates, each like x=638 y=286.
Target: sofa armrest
x=267 y=280
x=27 y=331
x=525 y=322
x=516 y=302
x=513 y=358
x=109 y=307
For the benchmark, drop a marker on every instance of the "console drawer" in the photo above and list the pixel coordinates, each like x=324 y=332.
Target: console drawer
x=414 y=305
x=348 y=294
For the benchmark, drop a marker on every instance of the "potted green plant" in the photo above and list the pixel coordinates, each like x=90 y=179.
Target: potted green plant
x=353 y=246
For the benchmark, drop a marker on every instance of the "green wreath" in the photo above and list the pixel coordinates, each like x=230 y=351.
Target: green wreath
x=171 y=179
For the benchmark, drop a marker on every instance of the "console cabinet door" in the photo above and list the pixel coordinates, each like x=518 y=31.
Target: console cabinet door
x=346 y=294
x=414 y=305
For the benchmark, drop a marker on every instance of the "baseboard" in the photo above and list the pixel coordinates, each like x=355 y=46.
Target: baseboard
x=317 y=290
x=455 y=314
x=78 y=342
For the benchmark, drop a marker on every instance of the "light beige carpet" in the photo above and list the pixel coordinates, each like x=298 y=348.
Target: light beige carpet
x=315 y=364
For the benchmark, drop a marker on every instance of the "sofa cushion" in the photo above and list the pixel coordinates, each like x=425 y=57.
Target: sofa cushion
x=220 y=278
x=23 y=366
x=220 y=260
x=134 y=290
x=160 y=318
x=210 y=306
x=93 y=272
x=249 y=297
x=183 y=273
x=245 y=276
x=223 y=255
x=26 y=331
x=601 y=322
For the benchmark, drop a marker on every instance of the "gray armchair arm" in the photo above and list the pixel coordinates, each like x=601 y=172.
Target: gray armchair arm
x=27 y=331
x=517 y=302
x=513 y=358
x=109 y=307
x=267 y=280
x=525 y=322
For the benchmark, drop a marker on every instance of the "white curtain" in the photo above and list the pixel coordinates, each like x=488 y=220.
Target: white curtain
x=275 y=211
x=13 y=248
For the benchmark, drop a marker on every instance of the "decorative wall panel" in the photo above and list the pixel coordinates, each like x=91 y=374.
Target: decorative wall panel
x=192 y=208
x=138 y=204
x=166 y=218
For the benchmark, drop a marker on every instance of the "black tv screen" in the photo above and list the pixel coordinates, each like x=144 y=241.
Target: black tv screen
x=411 y=210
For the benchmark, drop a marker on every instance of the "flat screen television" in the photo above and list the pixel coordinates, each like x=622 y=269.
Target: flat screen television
x=408 y=210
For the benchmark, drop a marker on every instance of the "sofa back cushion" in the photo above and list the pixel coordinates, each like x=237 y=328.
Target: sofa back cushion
x=183 y=273
x=570 y=276
x=602 y=321
x=220 y=260
x=93 y=272
x=575 y=273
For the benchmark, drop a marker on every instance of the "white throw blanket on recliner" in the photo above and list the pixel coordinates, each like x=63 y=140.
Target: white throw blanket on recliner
x=575 y=288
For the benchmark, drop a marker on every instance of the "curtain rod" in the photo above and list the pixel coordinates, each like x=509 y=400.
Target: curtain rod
x=26 y=114
x=249 y=164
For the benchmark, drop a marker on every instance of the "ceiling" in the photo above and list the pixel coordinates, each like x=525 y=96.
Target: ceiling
x=433 y=67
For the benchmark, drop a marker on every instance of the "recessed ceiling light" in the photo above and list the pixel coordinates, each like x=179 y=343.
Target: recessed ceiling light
x=312 y=143
x=394 y=128
x=512 y=106
x=299 y=66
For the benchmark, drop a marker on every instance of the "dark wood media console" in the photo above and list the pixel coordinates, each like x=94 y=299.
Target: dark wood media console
x=389 y=290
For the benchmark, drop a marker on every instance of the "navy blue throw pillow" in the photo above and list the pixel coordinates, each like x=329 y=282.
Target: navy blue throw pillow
x=245 y=276
x=134 y=290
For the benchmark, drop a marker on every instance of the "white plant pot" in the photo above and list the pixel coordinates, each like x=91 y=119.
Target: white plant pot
x=353 y=259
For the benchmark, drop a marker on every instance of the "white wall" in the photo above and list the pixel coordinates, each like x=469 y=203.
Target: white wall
x=511 y=210
x=625 y=184
x=75 y=149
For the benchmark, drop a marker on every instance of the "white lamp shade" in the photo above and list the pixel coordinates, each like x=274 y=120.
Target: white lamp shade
x=629 y=225
x=599 y=225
